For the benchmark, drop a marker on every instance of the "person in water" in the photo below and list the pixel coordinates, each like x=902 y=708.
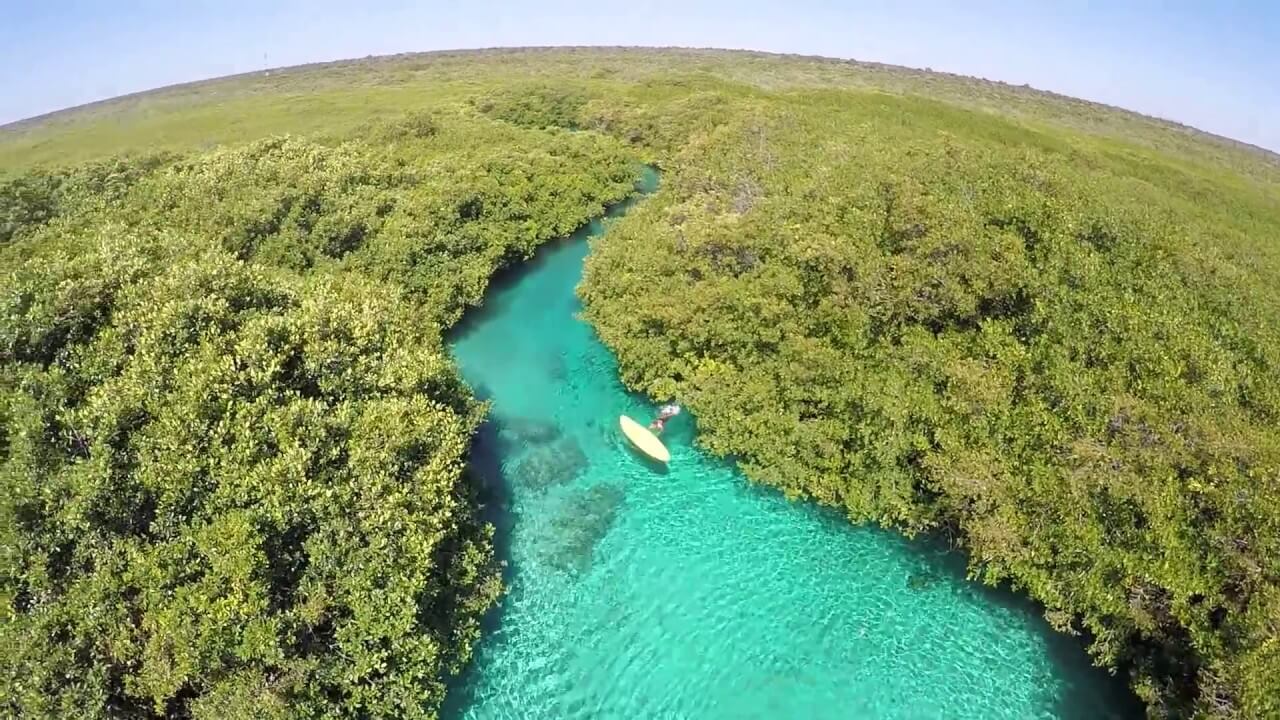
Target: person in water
x=665 y=413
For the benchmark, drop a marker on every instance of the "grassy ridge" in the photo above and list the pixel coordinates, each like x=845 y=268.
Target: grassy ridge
x=1045 y=327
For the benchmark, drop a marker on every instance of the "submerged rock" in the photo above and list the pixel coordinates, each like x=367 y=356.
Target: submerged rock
x=557 y=368
x=580 y=523
x=923 y=580
x=523 y=432
x=546 y=466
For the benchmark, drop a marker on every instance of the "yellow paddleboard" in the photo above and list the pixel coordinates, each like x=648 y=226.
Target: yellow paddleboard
x=644 y=439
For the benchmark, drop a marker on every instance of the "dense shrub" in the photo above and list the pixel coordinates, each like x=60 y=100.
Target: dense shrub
x=982 y=333
x=534 y=105
x=1057 y=346
x=29 y=200
x=232 y=443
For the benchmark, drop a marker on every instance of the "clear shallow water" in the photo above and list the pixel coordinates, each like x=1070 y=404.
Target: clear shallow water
x=641 y=592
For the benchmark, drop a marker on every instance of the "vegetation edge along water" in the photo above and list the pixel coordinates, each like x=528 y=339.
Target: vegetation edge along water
x=1045 y=329
x=641 y=590
x=234 y=445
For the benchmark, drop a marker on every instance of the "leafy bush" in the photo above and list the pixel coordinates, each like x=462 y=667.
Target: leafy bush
x=232 y=443
x=37 y=196
x=409 y=127
x=975 y=331
x=1054 y=342
x=534 y=105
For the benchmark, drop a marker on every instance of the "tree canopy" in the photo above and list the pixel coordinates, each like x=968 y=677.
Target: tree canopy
x=232 y=448
x=946 y=323
x=232 y=462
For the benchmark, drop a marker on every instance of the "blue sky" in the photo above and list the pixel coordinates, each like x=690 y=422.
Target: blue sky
x=1211 y=64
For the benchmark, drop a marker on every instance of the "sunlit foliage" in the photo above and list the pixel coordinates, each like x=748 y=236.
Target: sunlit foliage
x=1044 y=328
x=231 y=466
x=944 y=322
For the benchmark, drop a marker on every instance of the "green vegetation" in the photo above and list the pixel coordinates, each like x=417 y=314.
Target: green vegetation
x=232 y=445
x=944 y=322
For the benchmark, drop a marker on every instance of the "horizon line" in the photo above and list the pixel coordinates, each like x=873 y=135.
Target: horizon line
x=33 y=120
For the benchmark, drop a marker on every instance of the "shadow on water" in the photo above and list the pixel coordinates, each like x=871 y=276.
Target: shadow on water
x=653 y=466
x=495 y=302
x=1084 y=692
x=1084 y=689
x=486 y=472
x=484 y=469
x=493 y=439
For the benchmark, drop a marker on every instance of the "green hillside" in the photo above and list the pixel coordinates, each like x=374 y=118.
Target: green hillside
x=1044 y=329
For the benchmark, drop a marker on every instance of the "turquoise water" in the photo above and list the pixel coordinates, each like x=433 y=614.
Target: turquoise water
x=641 y=592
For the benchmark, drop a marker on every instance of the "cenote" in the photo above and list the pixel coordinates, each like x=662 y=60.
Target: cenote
x=642 y=592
